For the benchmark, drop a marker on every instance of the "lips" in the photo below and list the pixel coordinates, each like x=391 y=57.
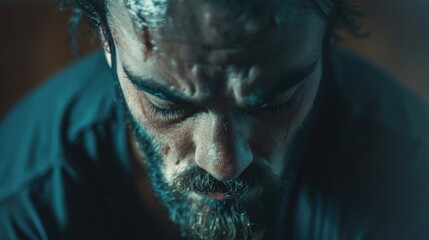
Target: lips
x=219 y=195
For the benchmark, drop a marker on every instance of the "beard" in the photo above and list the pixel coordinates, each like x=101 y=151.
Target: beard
x=243 y=217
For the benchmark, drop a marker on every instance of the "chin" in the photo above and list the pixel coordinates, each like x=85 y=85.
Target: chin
x=210 y=218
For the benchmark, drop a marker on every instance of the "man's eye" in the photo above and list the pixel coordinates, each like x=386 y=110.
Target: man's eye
x=165 y=109
x=282 y=108
x=277 y=110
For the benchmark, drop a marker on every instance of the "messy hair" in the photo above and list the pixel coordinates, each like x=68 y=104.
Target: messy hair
x=341 y=14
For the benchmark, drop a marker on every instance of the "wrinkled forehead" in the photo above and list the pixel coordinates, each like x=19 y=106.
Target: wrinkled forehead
x=239 y=25
x=213 y=23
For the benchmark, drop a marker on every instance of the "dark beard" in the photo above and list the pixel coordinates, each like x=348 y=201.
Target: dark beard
x=204 y=218
x=241 y=218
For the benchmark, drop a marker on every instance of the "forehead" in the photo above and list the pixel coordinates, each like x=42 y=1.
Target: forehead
x=194 y=45
x=214 y=23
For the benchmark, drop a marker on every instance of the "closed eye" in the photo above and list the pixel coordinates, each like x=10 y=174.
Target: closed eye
x=165 y=109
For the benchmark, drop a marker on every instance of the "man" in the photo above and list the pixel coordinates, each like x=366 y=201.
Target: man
x=243 y=123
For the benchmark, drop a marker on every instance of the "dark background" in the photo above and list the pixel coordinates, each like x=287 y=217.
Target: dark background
x=34 y=43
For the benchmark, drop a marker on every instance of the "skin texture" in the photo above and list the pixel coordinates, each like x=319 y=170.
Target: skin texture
x=238 y=72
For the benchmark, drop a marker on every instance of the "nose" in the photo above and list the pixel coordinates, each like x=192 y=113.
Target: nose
x=222 y=149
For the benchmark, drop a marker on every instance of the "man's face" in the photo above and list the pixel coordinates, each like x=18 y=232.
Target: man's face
x=217 y=86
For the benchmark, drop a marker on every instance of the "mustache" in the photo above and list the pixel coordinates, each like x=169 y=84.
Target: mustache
x=257 y=176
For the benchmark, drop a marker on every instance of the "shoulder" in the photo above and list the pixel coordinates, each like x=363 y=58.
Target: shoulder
x=383 y=126
x=373 y=94
x=38 y=130
x=377 y=151
x=64 y=142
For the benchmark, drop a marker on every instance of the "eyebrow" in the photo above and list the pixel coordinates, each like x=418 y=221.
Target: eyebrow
x=154 y=88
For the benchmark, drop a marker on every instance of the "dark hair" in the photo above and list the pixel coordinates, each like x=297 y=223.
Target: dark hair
x=341 y=14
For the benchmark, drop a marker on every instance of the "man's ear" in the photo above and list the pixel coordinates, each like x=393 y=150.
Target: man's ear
x=108 y=57
x=106 y=47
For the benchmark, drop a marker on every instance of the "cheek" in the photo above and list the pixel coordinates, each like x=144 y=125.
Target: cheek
x=271 y=136
x=177 y=150
x=175 y=146
x=266 y=138
x=273 y=132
